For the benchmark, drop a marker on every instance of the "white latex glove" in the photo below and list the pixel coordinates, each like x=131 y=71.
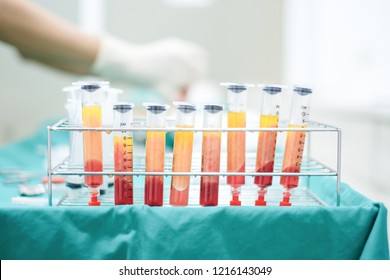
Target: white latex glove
x=170 y=63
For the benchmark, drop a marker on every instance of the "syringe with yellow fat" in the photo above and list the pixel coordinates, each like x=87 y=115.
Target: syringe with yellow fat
x=295 y=141
x=236 y=142
x=182 y=153
x=266 y=144
x=123 y=153
x=155 y=153
x=211 y=154
x=92 y=140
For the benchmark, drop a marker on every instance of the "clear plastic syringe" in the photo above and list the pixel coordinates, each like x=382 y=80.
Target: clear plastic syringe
x=236 y=106
x=123 y=153
x=110 y=97
x=155 y=153
x=182 y=153
x=74 y=108
x=211 y=154
x=93 y=151
x=295 y=141
x=269 y=118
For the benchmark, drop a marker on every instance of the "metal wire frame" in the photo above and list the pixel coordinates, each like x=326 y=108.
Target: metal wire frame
x=63 y=167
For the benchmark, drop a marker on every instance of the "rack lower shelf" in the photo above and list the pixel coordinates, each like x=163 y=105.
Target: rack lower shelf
x=302 y=196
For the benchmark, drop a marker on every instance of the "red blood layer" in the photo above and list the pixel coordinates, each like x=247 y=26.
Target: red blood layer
x=209 y=193
x=237 y=180
x=123 y=190
x=264 y=181
x=290 y=181
x=154 y=186
x=93 y=165
x=179 y=198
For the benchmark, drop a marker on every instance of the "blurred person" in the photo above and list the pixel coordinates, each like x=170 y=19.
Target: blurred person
x=171 y=64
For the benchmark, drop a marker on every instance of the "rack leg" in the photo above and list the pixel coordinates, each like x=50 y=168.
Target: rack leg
x=50 y=196
x=308 y=157
x=338 y=165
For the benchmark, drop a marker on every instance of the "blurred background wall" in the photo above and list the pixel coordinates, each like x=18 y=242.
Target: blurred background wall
x=243 y=39
x=338 y=47
x=341 y=49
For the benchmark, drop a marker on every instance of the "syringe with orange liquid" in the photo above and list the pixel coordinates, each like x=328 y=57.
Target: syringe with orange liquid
x=155 y=153
x=295 y=141
x=211 y=154
x=236 y=106
x=92 y=140
x=269 y=118
x=123 y=153
x=182 y=153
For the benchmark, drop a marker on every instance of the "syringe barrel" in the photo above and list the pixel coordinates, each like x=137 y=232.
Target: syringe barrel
x=123 y=153
x=212 y=116
x=74 y=110
x=211 y=154
x=123 y=116
x=266 y=143
x=182 y=153
x=93 y=150
x=271 y=99
x=295 y=140
x=156 y=115
x=185 y=114
x=300 y=105
x=155 y=152
x=236 y=140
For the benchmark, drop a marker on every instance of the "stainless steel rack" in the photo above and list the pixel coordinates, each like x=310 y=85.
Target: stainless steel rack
x=310 y=167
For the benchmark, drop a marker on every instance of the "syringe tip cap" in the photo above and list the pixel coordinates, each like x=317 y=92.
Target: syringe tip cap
x=283 y=203
x=91 y=203
x=235 y=203
x=260 y=203
x=94 y=201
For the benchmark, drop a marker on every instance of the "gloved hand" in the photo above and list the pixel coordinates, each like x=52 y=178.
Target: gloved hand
x=170 y=63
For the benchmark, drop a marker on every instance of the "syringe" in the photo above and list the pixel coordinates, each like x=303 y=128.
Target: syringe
x=236 y=105
x=93 y=152
x=211 y=154
x=123 y=153
x=266 y=144
x=110 y=97
x=295 y=141
x=182 y=153
x=73 y=107
x=155 y=153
